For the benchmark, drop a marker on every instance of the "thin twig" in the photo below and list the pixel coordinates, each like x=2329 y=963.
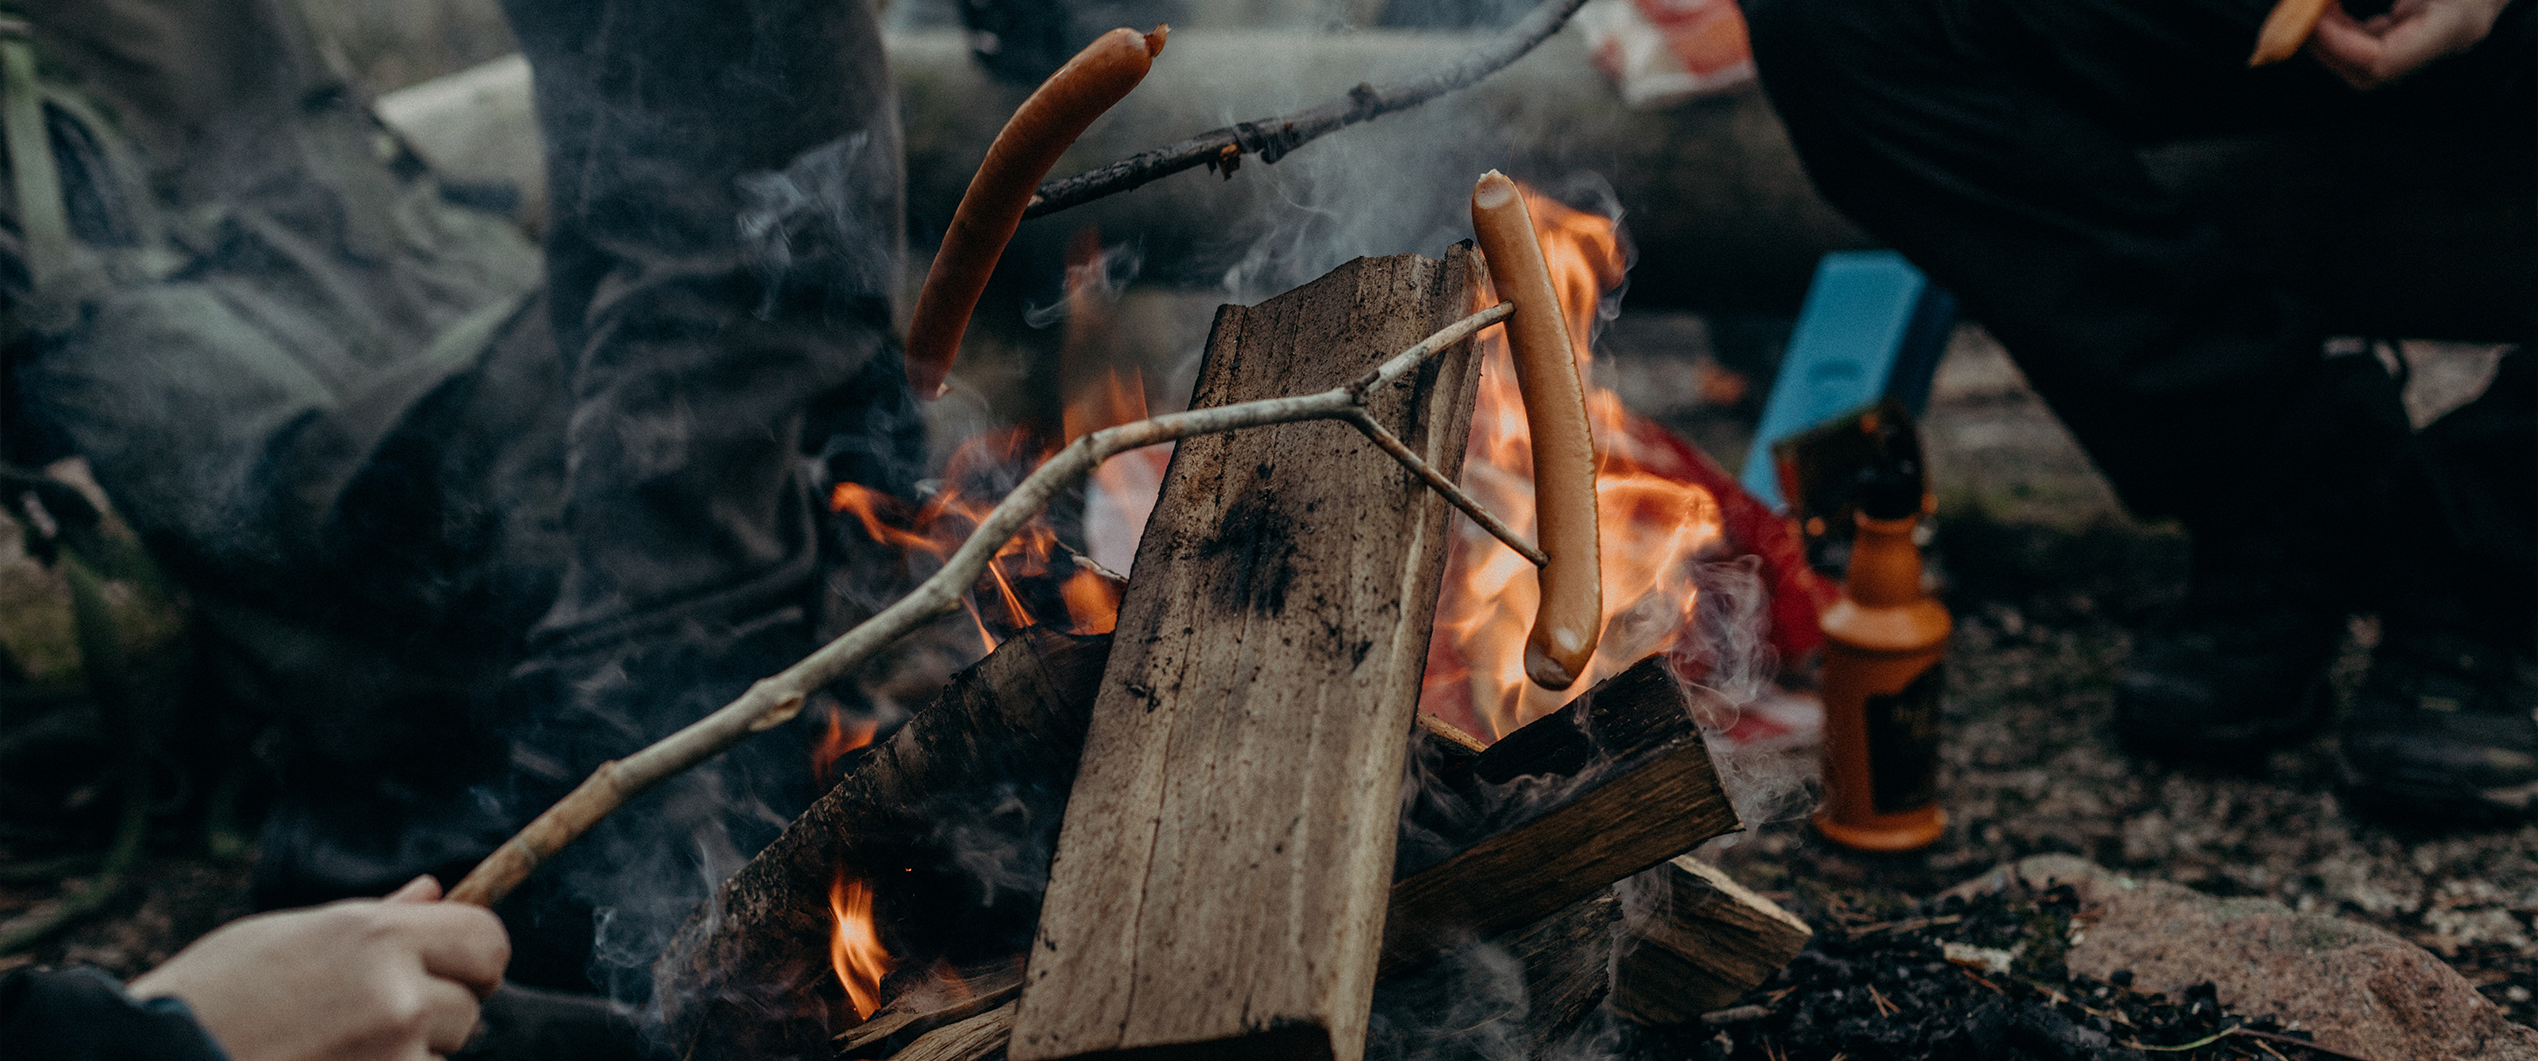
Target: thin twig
x=1272 y=138
x=1386 y=441
x=771 y=702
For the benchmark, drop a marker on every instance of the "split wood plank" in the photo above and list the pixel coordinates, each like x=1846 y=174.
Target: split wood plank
x=1221 y=878
x=1640 y=788
x=1696 y=942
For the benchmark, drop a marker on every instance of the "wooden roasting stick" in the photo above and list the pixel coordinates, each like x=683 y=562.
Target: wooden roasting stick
x=1272 y=138
x=1042 y=129
x=2286 y=28
x=1570 y=618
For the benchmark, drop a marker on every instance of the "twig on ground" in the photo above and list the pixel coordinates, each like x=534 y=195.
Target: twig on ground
x=771 y=702
x=1272 y=138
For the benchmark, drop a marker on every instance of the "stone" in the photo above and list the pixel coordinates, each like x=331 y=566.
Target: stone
x=2358 y=989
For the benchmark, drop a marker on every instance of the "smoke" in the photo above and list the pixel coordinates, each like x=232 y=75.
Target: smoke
x=1388 y=187
x=1727 y=665
x=1469 y=1004
x=818 y=213
x=1100 y=281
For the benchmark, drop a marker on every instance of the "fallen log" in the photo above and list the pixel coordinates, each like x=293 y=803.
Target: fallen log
x=1695 y=941
x=1221 y=879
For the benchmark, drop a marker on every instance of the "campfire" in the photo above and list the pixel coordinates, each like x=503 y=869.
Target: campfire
x=1063 y=855
x=1337 y=741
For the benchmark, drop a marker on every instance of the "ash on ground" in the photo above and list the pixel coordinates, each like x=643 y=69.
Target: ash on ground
x=1956 y=979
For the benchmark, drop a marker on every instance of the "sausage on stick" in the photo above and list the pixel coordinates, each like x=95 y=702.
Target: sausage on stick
x=1042 y=129
x=1571 y=616
x=2286 y=27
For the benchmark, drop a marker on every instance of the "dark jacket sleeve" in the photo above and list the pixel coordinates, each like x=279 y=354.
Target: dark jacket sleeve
x=83 y=1015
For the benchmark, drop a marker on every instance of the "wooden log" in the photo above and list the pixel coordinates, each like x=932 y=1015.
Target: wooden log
x=979 y=1038
x=988 y=763
x=1695 y=941
x=751 y=972
x=1612 y=784
x=1221 y=878
x=910 y=1015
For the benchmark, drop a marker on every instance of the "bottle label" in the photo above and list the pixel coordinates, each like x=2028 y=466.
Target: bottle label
x=1903 y=745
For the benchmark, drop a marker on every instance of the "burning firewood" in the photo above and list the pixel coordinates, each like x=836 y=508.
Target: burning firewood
x=749 y=978
x=1642 y=789
x=773 y=701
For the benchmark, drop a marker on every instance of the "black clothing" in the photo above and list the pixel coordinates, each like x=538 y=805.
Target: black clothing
x=2000 y=145
x=470 y=521
x=83 y=1015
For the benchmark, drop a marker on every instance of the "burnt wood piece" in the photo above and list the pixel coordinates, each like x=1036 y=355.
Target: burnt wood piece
x=1612 y=784
x=908 y=1016
x=980 y=1038
x=1222 y=875
x=987 y=765
x=1695 y=942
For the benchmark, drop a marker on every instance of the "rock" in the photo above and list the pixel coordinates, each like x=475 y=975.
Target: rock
x=2358 y=989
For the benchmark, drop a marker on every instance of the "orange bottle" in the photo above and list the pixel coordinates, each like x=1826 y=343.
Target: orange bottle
x=1883 y=642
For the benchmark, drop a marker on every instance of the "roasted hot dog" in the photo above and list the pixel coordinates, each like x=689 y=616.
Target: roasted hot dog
x=1571 y=616
x=1040 y=130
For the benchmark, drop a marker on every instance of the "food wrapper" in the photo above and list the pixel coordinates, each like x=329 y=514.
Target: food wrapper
x=1662 y=52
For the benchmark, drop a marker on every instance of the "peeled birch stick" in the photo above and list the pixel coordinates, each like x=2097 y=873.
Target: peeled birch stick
x=1570 y=618
x=2286 y=27
x=1040 y=130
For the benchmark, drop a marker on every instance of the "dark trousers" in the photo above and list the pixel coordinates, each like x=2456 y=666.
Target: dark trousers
x=466 y=556
x=2000 y=144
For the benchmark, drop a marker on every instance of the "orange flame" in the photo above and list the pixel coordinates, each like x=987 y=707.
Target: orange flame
x=1654 y=527
x=855 y=949
x=842 y=735
x=939 y=526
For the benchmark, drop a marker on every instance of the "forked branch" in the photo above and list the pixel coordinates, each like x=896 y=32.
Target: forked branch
x=1272 y=138
x=770 y=702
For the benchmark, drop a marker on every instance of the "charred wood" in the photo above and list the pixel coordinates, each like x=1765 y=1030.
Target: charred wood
x=1610 y=785
x=982 y=771
x=1696 y=941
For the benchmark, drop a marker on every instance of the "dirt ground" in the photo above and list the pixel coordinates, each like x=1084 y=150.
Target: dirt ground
x=2047 y=581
